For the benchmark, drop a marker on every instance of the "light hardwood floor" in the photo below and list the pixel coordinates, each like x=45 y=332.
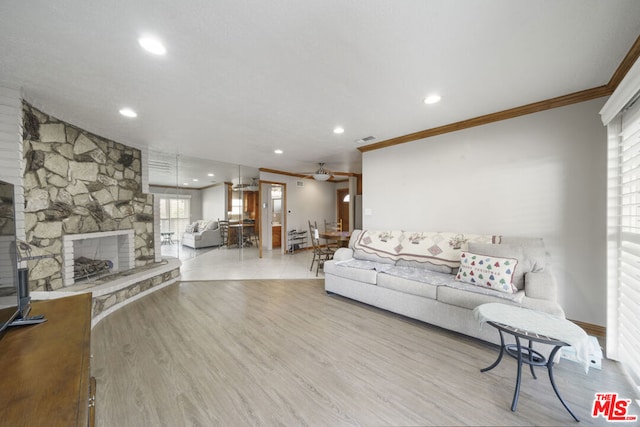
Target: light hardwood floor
x=283 y=352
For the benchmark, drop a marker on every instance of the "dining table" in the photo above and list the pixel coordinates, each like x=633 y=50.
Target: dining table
x=342 y=237
x=236 y=230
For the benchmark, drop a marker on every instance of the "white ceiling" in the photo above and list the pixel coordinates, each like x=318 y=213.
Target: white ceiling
x=242 y=78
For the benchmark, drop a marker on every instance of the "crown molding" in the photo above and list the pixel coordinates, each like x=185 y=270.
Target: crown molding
x=547 y=104
x=623 y=69
x=573 y=98
x=625 y=83
x=310 y=176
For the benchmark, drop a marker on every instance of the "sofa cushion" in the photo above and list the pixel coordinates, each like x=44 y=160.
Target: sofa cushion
x=533 y=249
x=524 y=266
x=202 y=224
x=415 y=281
x=425 y=266
x=487 y=271
x=541 y=285
x=361 y=271
x=470 y=296
x=407 y=286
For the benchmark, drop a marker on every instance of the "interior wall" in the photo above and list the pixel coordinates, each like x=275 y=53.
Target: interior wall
x=543 y=175
x=314 y=201
x=214 y=202
x=11 y=160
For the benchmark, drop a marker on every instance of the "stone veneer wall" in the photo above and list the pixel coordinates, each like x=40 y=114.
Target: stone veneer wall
x=78 y=182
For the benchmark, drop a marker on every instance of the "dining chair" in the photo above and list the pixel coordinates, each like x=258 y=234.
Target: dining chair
x=335 y=226
x=224 y=231
x=250 y=234
x=320 y=253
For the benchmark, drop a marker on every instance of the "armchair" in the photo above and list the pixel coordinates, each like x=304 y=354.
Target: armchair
x=202 y=234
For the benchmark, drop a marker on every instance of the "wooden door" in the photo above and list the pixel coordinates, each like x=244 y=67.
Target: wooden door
x=343 y=208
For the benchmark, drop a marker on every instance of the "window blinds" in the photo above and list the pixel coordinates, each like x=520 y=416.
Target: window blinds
x=623 y=218
x=174 y=213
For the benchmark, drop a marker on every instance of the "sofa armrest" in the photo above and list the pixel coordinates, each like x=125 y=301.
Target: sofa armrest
x=540 y=285
x=343 y=254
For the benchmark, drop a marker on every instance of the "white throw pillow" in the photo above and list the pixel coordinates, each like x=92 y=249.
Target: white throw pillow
x=506 y=251
x=487 y=271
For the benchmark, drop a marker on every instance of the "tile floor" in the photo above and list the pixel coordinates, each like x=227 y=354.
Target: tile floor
x=235 y=264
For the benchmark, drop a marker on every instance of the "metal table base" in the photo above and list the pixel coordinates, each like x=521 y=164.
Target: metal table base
x=529 y=356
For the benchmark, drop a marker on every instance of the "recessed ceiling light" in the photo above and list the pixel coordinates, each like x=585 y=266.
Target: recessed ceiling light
x=210 y=174
x=338 y=130
x=195 y=179
x=432 y=99
x=185 y=183
x=152 y=45
x=128 y=112
x=278 y=151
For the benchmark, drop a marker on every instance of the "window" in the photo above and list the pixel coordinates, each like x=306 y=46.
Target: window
x=623 y=246
x=175 y=214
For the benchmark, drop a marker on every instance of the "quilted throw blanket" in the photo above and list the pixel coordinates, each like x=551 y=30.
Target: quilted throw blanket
x=439 y=248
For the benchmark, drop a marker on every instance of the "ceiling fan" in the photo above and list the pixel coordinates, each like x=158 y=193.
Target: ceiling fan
x=322 y=174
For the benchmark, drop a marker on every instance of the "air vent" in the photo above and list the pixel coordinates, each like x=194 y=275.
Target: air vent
x=160 y=166
x=299 y=183
x=365 y=139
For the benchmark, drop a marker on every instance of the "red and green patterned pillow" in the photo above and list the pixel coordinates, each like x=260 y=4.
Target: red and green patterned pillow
x=487 y=271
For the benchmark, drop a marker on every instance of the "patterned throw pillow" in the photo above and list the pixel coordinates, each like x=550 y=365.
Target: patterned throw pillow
x=488 y=271
x=190 y=228
x=506 y=251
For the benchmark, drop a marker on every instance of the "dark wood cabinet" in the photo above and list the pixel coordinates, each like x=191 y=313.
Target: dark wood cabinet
x=276 y=236
x=229 y=196
x=250 y=204
x=45 y=367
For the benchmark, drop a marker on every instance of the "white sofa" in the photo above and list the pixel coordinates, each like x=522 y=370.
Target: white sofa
x=414 y=274
x=202 y=234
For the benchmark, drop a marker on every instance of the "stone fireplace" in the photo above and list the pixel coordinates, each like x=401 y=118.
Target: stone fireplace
x=116 y=247
x=71 y=184
x=81 y=189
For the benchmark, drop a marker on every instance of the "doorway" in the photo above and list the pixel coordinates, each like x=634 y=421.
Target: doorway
x=343 y=204
x=273 y=218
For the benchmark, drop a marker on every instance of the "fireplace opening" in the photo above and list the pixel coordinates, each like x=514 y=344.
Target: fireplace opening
x=86 y=268
x=97 y=254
